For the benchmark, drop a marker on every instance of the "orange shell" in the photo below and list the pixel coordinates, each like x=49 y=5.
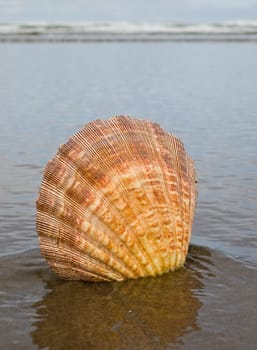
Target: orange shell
x=117 y=201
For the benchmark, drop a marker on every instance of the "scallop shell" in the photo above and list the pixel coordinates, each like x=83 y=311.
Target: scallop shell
x=116 y=202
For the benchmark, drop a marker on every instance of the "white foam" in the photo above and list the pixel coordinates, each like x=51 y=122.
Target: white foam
x=235 y=27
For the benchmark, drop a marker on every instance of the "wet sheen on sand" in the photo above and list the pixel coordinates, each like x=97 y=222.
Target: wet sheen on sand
x=210 y=300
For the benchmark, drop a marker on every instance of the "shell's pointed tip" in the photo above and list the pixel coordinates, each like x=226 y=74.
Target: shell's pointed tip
x=117 y=201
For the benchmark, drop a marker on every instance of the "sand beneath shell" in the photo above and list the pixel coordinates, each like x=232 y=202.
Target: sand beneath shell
x=210 y=302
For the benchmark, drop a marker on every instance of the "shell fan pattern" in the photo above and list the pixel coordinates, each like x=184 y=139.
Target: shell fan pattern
x=116 y=202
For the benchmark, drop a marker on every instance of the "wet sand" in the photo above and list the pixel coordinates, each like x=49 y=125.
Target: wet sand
x=208 y=304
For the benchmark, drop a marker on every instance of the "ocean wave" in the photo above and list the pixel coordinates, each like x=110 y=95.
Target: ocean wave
x=96 y=30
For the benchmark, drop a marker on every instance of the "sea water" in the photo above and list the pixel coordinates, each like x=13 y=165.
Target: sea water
x=206 y=94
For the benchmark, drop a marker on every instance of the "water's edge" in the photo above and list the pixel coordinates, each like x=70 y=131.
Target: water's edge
x=182 y=309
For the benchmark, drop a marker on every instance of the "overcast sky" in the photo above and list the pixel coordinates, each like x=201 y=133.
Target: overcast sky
x=127 y=10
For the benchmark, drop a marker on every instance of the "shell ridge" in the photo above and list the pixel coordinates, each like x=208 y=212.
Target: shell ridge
x=73 y=270
x=114 y=126
x=184 y=214
x=160 y=174
x=74 y=169
x=88 y=240
x=190 y=185
x=105 y=141
x=93 y=242
x=175 y=144
x=193 y=193
x=162 y=162
x=144 y=133
x=54 y=255
x=77 y=208
x=108 y=204
x=187 y=215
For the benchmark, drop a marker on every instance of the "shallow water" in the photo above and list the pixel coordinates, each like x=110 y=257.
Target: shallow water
x=203 y=93
x=187 y=309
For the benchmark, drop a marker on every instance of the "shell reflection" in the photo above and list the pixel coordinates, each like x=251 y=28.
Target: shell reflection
x=146 y=314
